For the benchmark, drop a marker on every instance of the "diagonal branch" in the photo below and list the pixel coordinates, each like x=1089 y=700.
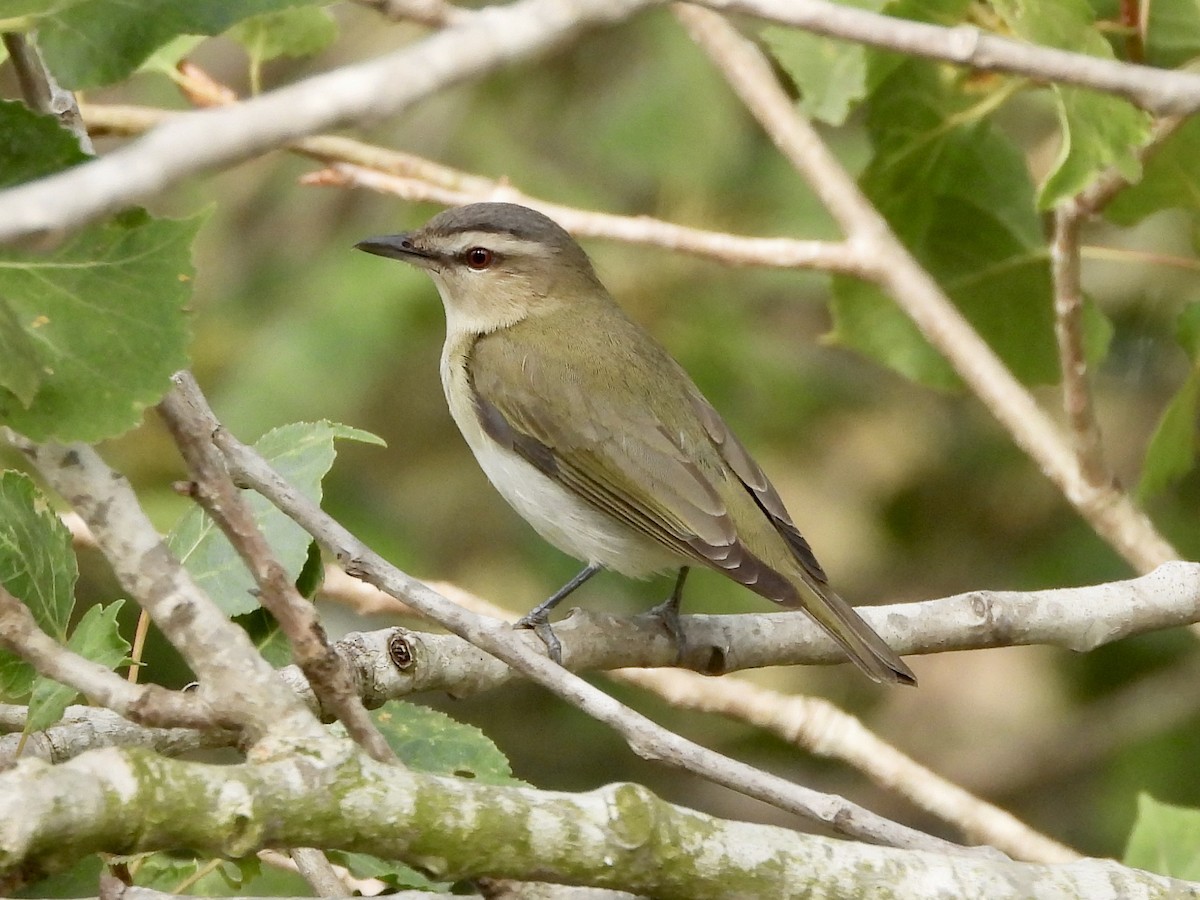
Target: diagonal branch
x=1107 y=509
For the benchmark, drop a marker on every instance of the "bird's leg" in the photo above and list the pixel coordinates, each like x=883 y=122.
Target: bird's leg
x=538 y=618
x=668 y=613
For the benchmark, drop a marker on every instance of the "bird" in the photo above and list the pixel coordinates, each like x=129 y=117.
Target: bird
x=596 y=436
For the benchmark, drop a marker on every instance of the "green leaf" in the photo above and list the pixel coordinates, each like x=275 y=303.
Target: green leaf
x=1098 y=130
x=97 y=638
x=1187 y=331
x=1172 y=450
x=302 y=453
x=430 y=741
x=33 y=145
x=1165 y=839
x=290 y=32
x=831 y=75
x=104 y=313
x=1172 y=32
x=37 y=566
x=958 y=195
x=1171 y=179
x=98 y=42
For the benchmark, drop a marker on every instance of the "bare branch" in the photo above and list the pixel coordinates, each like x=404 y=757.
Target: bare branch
x=145 y=704
x=40 y=89
x=1156 y=90
x=1106 y=508
x=215 y=492
x=203 y=140
x=235 y=679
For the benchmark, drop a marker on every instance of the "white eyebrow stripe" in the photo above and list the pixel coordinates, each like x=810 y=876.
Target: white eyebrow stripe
x=503 y=244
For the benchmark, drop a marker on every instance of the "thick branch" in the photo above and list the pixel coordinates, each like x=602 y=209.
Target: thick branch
x=620 y=836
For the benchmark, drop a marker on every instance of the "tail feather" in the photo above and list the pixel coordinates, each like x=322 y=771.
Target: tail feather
x=865 y=648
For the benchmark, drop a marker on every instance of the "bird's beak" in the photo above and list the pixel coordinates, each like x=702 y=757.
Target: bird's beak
x=398 y=246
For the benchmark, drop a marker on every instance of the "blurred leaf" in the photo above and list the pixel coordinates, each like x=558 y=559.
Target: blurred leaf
x=104 y=312
x=97 y=42
x=960 y=198
x=37 y=566
x=1165 y=839
x=1187 y=331
x=33 y=145
x=1172 y=32
x=302 y=453
x=1172 y=450
x=831 y=75
x=1098 y=130
x=431 y=741
x=289 y=32
x=1171 y=179
x=246 y=876
x=97 y=638
x=167 y=57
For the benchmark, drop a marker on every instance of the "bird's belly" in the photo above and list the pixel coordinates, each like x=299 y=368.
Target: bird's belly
x=568 y=522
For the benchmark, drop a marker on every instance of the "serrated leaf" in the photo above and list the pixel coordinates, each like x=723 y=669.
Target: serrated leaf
x=1171 y=179
x=1098 y=130
x=1165 y=839
x=37 y=565
x=105 y=311
x=430 y=741
x=1172 y=32
x=97 y=638
x=302 y=453
x=960 y=198
x=291 y=32
x=33 y=145
x=98 y=42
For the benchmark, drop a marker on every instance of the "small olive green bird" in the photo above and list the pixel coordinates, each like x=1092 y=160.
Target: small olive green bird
x=595 y=435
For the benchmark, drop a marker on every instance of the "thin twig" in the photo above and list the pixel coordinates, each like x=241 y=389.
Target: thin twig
x=40 y=89
x=145 y=704
x=1083 y=426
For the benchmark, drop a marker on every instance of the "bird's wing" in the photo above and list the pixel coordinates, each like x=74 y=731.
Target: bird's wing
x=618 y=452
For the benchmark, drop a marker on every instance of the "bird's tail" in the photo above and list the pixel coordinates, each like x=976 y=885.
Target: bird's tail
x=865 y=648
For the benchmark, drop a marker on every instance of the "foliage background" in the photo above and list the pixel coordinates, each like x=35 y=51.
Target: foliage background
x=906 y=493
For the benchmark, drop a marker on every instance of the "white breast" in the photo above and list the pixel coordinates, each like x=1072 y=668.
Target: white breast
x=566 y=521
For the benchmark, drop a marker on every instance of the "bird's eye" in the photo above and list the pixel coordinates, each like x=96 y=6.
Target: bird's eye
x=479 y=258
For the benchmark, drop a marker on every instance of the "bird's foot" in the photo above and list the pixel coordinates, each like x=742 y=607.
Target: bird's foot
x=540 y=625
x=667 y=614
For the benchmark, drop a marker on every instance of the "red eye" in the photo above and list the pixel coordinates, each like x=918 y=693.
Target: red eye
x=479 y=258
